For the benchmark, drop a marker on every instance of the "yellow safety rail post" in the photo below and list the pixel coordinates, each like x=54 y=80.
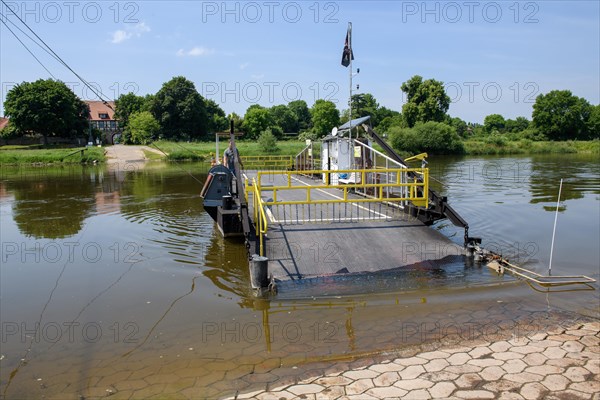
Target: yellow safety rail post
x=260 y=217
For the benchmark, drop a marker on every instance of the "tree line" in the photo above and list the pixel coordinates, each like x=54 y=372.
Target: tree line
x=179 y=112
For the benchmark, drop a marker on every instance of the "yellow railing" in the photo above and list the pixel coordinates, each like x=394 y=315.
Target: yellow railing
x=380 y=191
x=415 y=190
x=268 y=162
x=260 y=217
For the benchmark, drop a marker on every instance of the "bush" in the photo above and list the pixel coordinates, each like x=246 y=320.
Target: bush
x=431 y=137
x=143 y=127
x=308 y=135
x=268 y=142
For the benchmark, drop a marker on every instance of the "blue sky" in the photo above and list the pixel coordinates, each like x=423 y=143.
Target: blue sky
x=494 y=57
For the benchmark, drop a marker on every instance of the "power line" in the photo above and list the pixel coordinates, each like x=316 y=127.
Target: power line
x=27 y=48
x=25 y=33
x=98 y=93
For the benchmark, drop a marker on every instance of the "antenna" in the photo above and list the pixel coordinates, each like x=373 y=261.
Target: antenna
x=554 y=230
x=334 y=131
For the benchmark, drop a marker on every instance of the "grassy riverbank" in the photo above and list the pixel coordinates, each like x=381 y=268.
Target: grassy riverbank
x=497 y=145
x=12 y=155
x=200 y=151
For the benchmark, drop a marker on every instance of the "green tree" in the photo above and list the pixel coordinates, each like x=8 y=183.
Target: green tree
x=426 y=101
x=256 y=120
x=47 y=107
x=388 y=122
x=494 y=123
x=324 y=116
x=217 y=120
x=180 y=110
x=517 y=125
x=126 y=105
x=284 y=118
x=559 y=115
x=364 y=104
x=594 y=122
x=300 y=108
x=459 y=125
x=267 y=141
x=143 y=127
x=432 y=137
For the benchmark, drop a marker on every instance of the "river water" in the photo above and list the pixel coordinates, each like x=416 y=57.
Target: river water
x=115 y=281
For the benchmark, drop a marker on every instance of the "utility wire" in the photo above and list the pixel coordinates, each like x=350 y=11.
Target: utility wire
x=26 y=34
x=27 y=48
x=98 y=93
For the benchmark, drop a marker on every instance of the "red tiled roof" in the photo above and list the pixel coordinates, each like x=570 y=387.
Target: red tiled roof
x=98 y=107
x=3 y=122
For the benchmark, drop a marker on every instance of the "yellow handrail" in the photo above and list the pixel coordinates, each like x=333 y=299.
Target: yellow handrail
x=260 y=216
x=421 y=199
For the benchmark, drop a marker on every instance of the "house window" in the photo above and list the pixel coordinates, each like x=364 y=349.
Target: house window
x=103 y=116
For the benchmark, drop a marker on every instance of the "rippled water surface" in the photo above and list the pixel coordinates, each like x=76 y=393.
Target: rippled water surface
x=116 y=280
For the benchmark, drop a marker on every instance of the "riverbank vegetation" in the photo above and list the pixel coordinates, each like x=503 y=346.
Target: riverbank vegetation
x=48 y=155
x=181 y=122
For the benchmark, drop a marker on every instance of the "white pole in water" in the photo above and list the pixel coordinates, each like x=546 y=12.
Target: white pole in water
x=554 y=230
x=217 y=159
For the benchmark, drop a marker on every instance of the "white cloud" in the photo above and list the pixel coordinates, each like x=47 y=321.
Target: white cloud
x=244 y=65
x=195 y=52
x=136 y=30
x=120 y=36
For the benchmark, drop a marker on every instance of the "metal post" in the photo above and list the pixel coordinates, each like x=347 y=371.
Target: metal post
x=554 y=230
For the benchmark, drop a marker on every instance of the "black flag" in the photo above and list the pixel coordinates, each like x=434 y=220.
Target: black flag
x=348 y=54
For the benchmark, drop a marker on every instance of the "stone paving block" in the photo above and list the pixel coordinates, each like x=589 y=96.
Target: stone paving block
x=544 y=370
x=563 y=337
x=533 y=391
x=528 y=349
x=463 y=369
x=514 y=366
x=333 y=381
x=554 y=353
x=283 y=395
x=480 y=351
x=544 y=344
x=299 y=390
x=442 y=390
x=359 y=386
x=432 y=355
x=386 y=392
x=474 y=394
x=486 y=362
x=577 y=374
x=331 y=392
x=435 y=365
x=458 y=358
x=593 y=366
x=508 y=355
x=566 y=362
x=413 y=384
x=386 y=379
x=589 y=387
x=535 y=359
x=389 y=367
x=439 y=376
x=362 y=396
x=410 y=361
x=501 y=385
x=572 y=346
x=419 y=394
x=250 y=395
x=523 y=377
x=468 y=381
x=492 y=373
x=412 y=372
x=556 y=382
x=499 y=347
x=362 y=374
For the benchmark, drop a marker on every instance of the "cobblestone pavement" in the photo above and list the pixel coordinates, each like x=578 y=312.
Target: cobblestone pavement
x=558 y=364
